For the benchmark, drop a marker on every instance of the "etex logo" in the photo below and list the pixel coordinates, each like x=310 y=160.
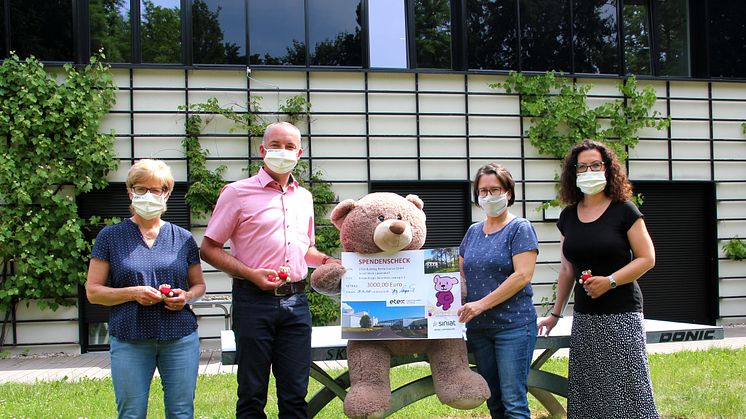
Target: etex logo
x=684 y=336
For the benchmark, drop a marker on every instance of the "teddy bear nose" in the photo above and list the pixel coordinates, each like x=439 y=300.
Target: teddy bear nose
x=397 y=227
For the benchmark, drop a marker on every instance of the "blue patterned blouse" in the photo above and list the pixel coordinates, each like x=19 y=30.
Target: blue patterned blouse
x=488 y=262
x=132 y=263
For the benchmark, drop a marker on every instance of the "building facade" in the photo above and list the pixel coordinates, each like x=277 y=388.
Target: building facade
x=401 y=101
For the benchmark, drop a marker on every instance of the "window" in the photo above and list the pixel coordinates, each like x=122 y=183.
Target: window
x=277 y=32
x=636 y=23
x=110 y=29
x=727 y=44
x=387 y=34
x=545 y=35
x=160 y=31
x=595 y=36
x=492 y=35
x=672 y=37
x=433 y=33
x=334 y=33
x=43 y=28
x=219 y=31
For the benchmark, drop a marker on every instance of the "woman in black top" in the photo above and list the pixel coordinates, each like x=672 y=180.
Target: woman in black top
x=604 y=233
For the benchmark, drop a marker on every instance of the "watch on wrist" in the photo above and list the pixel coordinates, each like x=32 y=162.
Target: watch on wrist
x=612 y=281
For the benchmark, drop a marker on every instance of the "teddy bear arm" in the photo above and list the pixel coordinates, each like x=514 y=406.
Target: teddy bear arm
x=326 y=279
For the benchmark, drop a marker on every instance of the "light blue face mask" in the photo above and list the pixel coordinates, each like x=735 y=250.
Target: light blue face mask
x=494 y=205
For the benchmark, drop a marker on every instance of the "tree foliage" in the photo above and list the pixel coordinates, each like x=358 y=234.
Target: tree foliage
x=52 y=152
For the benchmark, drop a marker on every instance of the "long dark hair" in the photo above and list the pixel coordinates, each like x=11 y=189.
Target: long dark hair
x=618 y=187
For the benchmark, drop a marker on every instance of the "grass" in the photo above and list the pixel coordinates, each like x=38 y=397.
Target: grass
x=687 y=384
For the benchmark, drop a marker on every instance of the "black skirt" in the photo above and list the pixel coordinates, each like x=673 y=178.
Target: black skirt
x=609 y=375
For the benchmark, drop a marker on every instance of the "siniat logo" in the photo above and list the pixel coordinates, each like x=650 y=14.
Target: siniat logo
x=683 y=336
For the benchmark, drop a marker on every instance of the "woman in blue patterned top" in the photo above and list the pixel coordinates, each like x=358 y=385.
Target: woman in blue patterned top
x=129 y=262
x=498 y=257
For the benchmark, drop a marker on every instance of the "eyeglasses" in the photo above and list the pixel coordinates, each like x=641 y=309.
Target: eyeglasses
x=595 y=167
x=141 y=190
x=491 y=191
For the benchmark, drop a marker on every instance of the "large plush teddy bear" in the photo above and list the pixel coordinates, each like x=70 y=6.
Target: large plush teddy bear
x=387 y=222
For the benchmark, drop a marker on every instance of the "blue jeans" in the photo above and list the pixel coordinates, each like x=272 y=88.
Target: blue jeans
x=133 y=363
x=272 y=333
x=503 y=358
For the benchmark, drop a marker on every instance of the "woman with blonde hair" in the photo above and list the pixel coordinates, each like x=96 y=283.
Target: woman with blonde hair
x=148 y=270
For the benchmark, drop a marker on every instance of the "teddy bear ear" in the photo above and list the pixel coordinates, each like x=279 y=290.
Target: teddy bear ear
x=415 y=200
x=340 y=212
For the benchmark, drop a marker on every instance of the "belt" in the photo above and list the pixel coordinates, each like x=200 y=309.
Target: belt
x=287 y=288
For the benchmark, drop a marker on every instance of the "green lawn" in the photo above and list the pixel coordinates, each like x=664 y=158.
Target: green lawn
x=687 y=384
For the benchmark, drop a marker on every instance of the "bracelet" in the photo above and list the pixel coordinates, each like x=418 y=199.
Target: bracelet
x=556 y=315
x=324 y=259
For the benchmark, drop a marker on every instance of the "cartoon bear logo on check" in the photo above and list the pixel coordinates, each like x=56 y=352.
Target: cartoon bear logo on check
x=443 y=285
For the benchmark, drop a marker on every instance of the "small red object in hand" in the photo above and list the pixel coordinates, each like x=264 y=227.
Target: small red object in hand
x=283 y=273
x=165 y=289
x=585 y=275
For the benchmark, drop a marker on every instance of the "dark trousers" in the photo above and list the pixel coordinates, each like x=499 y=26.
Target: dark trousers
x=271 y=333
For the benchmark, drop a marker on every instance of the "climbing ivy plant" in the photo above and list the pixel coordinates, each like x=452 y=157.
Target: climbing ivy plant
x=205 y=185
x=560 y=116
x=52 y=152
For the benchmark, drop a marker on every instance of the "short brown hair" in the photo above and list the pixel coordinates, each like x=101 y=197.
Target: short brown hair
x=503 y=175
x=618 y=187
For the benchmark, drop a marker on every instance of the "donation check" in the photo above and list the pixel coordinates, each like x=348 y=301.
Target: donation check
x=412 y=294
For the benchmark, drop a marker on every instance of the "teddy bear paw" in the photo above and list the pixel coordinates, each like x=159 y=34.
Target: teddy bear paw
x=464 y=390
x=367 y=401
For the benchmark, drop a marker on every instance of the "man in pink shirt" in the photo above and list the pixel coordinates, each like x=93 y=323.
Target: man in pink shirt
x=268 y=219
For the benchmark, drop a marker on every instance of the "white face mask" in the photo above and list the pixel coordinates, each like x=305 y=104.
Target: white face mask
x=494 y=205
x=148 y=206
x=280 y=161
x=591 y=183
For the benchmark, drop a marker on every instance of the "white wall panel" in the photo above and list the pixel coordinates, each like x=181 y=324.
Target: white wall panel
x=546 y=232
x=730 y=268
x=443 y=147
x=727 y=130
x=234 y=169
x=650 y=149
x=480 y=83
x=493 y=104
x=729 y=91
x=730 y=170
x=393 y=147
x=338 y=125
x=272 y=80
x=337 y=102
x=730 y=150
x=735 y=190
x=442 y=125
x=123 y=147
x=146 y=124
x=691 y=170
x=690 y=129
x=338 y=147
x=120 y=174
x=442 y=103
x=121 y=100
x=337 y=81
x=485 y=125
x=731 y=228
x=733 y=287
x=600 y=87
x=118 y=122
x=441 y=82
x=234 y=100
x=391 y=81
x=342 y=169
x=393 y=169
x=32 y=311
x=158 y=78
x=728 y=110
x=159 y=147
x=222 y=79
x=392 y=102
x=120 y=76
x=350 y=190
x=157 y=100
x=540 y=169
x=731 y=209
x=645 y=170
x=732 y=306
x=225 y=147
x=690 y=150
x=681 y=108
x=540 y=191
x=488 y=147
x=686 y=90
x=549 y=252
x=392 y=125
x=443 y=169
x=47 y=332
x=650 y=132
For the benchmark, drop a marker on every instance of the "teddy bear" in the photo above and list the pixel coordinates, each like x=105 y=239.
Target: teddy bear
x=444 y=296
x=387 y=222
